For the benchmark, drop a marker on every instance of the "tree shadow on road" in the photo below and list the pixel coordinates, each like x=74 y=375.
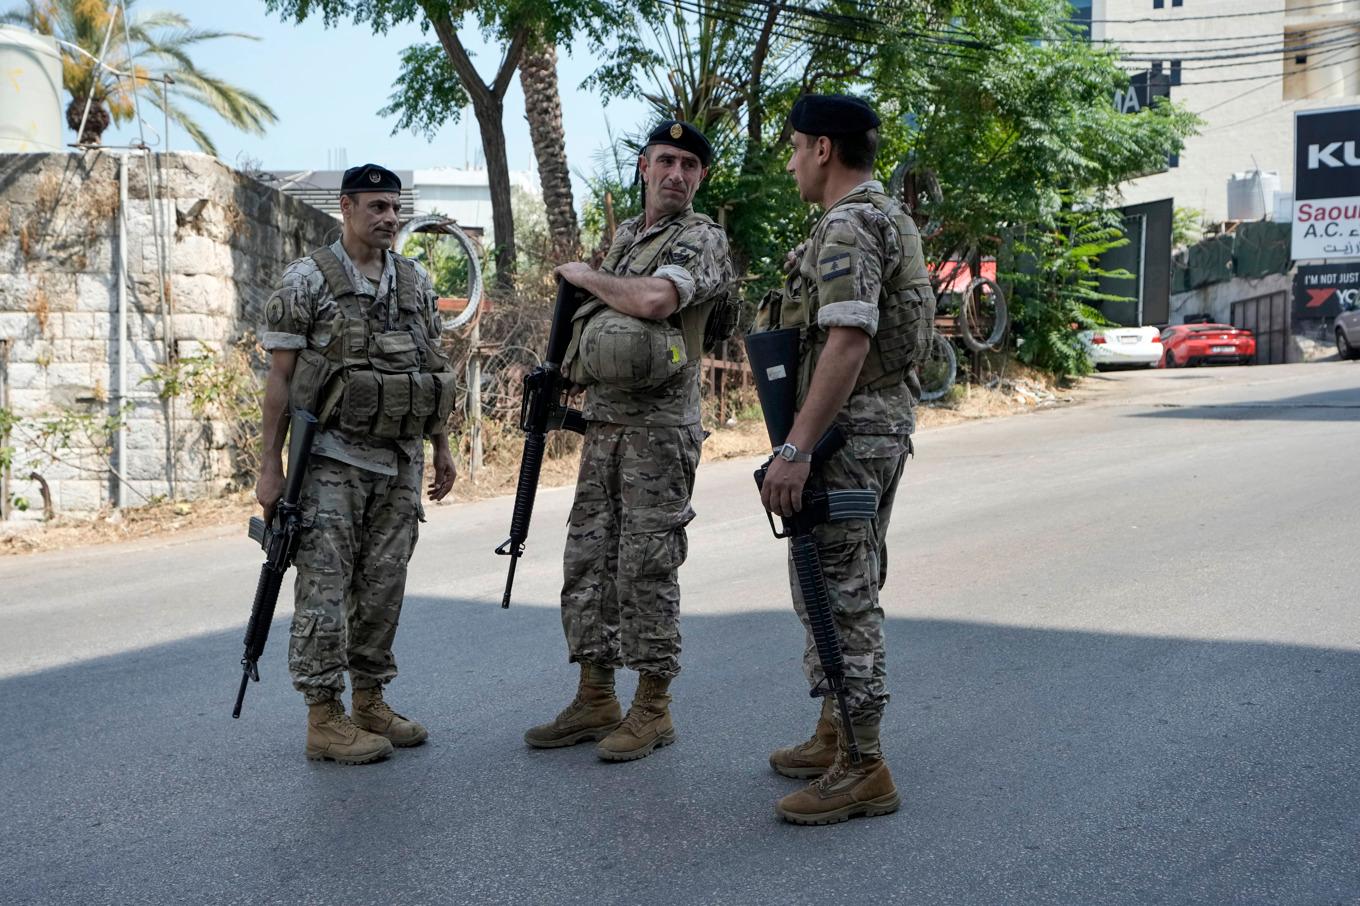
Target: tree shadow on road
x=1035 y=766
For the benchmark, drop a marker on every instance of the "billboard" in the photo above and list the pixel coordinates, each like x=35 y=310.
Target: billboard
x=1326 y=184
x=1321 y=289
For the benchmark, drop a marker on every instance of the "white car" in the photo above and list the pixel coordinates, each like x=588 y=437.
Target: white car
x=1108 y=346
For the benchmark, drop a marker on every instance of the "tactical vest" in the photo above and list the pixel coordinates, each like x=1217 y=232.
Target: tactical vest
x=614 y=348
x=906 y=310
x=372 y=378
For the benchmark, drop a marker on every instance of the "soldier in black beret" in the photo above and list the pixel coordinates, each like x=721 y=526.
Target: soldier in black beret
x=353 y=332
x=637 y=347
x=859 y=292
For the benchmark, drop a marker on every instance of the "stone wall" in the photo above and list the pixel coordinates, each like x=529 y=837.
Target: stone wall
x=225 y=238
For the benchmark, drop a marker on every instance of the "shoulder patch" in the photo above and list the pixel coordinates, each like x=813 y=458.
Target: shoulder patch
x=273 y=310
x=834 y=264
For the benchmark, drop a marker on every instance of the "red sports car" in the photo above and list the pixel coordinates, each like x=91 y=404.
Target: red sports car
x=1207 y=344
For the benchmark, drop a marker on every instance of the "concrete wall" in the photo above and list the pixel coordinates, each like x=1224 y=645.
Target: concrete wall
x=226 y=238
x=1308 y=341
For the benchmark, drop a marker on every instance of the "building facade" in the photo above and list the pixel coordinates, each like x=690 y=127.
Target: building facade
x=1245 y=67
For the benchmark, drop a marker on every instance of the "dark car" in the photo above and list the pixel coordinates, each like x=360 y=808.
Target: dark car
x=1207 y=344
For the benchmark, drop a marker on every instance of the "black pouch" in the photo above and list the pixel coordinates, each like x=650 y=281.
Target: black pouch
x=360 y=402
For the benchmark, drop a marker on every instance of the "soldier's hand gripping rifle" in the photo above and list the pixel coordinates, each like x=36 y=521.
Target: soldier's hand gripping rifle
x=542 y=409
x=774 y=362
x=279 y=538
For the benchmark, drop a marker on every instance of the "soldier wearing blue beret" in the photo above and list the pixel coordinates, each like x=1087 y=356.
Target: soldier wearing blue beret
x=859 y=289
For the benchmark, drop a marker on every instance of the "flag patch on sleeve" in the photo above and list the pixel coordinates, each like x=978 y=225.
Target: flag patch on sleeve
x=833 y=266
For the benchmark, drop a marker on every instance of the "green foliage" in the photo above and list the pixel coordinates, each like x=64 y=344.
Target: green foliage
x=428 y=93
x=1002 y=101
x=1056 y=277
x=162 y=45
x=1187 y=227
x=224 y=389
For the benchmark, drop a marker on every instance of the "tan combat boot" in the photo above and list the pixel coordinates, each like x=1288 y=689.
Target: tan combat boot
x=373 y=714
x=813 y=757
x=846 y=790
x=648 y=724
x=592 y=714
x=332 y=735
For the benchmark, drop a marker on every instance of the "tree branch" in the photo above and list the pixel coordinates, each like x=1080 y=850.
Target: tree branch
x=510 y=62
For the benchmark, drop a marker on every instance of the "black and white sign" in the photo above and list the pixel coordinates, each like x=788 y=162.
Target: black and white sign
x=1321 y=290
x=1326 y=184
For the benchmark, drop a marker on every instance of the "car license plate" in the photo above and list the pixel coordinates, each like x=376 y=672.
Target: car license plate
x=1225 y=349
x=1128 y=339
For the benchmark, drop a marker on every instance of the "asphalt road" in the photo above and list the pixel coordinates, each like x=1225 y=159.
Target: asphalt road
x=1124 y=660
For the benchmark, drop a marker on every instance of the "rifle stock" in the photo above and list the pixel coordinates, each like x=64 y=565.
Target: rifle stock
x=541 y=410
x=279 y=538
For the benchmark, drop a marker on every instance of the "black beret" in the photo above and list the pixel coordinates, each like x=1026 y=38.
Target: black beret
x=682 y=135
x=832 y=114
x=369 y=178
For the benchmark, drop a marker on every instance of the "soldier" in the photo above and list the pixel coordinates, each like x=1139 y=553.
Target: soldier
x=353 y=333
x=860 y=289
x=637 y=345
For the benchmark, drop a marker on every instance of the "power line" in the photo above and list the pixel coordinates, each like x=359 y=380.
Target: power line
x=1274 y=51
x=1174 y=19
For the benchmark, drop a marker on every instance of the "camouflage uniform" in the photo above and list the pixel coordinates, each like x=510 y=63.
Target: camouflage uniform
x=360 y=500
x=626 y=540
x=862 y=267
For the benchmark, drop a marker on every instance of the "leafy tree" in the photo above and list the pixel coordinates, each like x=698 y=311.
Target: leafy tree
x=162 y=44
x=1002 y=104
x=439 y=79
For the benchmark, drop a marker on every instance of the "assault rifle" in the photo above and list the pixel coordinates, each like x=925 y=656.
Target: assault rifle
x=279 y=538
x=774 y=362
x=542 y=409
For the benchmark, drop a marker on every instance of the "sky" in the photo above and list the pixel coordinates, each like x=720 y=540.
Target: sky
x=327 y=86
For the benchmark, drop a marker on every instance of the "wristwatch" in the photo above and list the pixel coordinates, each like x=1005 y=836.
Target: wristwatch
x=789 y=453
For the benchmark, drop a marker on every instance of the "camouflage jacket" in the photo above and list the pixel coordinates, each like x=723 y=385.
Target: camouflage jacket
x=299 y=314
x=840 y=281
x=697 y=261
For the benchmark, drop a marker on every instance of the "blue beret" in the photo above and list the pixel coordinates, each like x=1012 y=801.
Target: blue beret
x=369 y=178
x=682 y=135
x=832 y=114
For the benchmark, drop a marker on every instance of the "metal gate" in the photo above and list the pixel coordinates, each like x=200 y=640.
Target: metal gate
x=1268 y=318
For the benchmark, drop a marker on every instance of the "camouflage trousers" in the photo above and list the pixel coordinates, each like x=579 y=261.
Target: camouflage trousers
x=359 y=530
x=625 y=543
x=854 y=558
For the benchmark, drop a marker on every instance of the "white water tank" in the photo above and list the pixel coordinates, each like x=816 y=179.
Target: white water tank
x=1251 y=192
x=30 y=92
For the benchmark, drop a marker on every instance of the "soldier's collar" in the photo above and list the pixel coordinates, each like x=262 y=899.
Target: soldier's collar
x=869 y=185
x=645 y=231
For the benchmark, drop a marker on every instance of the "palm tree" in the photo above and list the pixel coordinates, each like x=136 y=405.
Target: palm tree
x=543 y=109
x=161 y=43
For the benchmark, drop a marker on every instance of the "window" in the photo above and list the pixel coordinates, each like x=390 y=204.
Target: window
x=1157 y=68
x=1081 y=16
x=1158 y=4
x=1175 y=72
x=1177 y=3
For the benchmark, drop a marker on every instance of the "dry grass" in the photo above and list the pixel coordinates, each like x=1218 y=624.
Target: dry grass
x=1021 y=390
x=132 y=523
